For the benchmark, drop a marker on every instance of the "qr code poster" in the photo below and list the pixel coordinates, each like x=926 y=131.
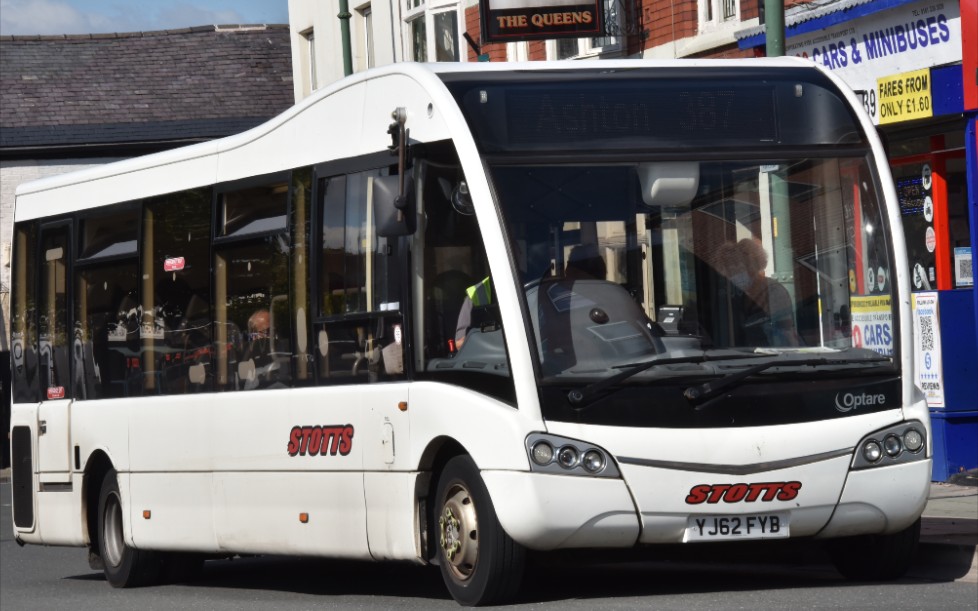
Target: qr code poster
x=928 y=369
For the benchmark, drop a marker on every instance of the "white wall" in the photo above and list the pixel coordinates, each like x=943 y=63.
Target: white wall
x=320 y=16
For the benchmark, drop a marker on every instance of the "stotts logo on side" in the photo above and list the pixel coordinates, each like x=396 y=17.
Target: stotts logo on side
x=322 y=440
x=747 y=493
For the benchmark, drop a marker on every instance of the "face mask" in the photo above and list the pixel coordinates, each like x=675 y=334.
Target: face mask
x=740 y=280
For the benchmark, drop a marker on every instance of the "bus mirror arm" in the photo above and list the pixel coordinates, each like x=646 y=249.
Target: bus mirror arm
x=393 y=195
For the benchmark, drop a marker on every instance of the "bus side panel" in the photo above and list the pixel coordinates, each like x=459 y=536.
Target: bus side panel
x=329 y=129
x=280 y=453
x=43 y=513
x=491 y=432
x=179 y=506
x=59 y=512
x=158 y=178
x=23 y=424
x=392 y=515
x=303 y=513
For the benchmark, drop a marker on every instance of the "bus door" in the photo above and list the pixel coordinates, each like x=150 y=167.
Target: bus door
x=54 y=412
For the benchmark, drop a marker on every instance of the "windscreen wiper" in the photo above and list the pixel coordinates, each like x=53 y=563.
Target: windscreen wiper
x=698 y=394
x=579 y=397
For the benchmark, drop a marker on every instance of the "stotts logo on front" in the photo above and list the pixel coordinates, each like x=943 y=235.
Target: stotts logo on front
x=747 y=493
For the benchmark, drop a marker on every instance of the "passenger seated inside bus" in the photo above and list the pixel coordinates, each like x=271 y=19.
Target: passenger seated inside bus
x=762 y=306
x=257 y=367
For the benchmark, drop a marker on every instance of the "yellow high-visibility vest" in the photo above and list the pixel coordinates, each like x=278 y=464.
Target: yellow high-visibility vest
x=480 y=293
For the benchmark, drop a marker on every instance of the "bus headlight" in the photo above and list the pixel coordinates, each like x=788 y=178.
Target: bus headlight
x=542 y=453
x=564 y=456
x=893 y=445
x=913 y=440
x=872 y=451
x=568 y=457
x=593 y=461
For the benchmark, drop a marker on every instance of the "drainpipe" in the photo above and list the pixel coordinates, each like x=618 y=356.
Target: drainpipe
x=344 y=17
x=774 y=27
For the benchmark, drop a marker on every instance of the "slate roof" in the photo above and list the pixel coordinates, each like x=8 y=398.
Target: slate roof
x=143 y=90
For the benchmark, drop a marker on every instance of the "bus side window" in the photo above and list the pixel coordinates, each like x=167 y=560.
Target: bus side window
x=253 y=334
x=23 y=332
x=106 y=341
x=358 y=332
x=462 y=337
x=177 y=275
x=53 y=319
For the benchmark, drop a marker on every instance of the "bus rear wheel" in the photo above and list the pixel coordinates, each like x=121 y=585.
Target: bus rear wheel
x=480 y=563
x=124 y=566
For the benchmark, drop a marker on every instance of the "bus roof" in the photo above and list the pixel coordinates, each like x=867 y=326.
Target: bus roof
x=248 y=153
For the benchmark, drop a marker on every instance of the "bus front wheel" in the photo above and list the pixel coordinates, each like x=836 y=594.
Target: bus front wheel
x=125 y=567
x=479 y=562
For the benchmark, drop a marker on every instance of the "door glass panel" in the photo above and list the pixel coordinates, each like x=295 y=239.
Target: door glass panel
x=53 y=319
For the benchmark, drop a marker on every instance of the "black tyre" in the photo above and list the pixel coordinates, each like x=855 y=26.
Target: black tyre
x=125 y=567
x=480 y=563
x=875 y=557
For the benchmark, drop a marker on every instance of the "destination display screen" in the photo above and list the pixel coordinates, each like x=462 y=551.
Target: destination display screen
x=652 y=109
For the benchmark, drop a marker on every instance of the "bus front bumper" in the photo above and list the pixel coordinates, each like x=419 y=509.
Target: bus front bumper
x=548 y=512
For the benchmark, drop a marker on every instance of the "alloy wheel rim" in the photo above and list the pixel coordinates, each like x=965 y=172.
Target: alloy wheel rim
x=458 y=529
x=112 y=542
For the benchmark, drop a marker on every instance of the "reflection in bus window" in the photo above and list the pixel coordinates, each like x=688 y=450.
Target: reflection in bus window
x=254 y=316
x=359 y=334
x=106 y=349
x=177 y=276
x=23 y=316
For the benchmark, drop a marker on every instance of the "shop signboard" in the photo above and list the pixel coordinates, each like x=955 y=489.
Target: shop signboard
x=880 y=50
x=928 y=368
x=872 y=323
x=902 y=97
x=513 y=20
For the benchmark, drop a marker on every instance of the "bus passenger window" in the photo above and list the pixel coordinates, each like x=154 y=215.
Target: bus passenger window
x=53 y=318
x=178 y=277
x=253 y=333
x=23 y=317
x=106 y=333
x=358 y=334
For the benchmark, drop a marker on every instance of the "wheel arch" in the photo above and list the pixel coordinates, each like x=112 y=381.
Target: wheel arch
x=437 y=453
x=97 y=465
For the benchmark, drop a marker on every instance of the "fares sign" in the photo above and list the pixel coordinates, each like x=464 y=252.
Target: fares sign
x=903 y=97
x=512 y=20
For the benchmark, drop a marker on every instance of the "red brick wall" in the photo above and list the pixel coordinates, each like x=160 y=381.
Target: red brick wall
x=496 y=51
x=666 y=21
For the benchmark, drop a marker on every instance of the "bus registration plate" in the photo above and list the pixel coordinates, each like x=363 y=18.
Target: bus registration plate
x=718 y=528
